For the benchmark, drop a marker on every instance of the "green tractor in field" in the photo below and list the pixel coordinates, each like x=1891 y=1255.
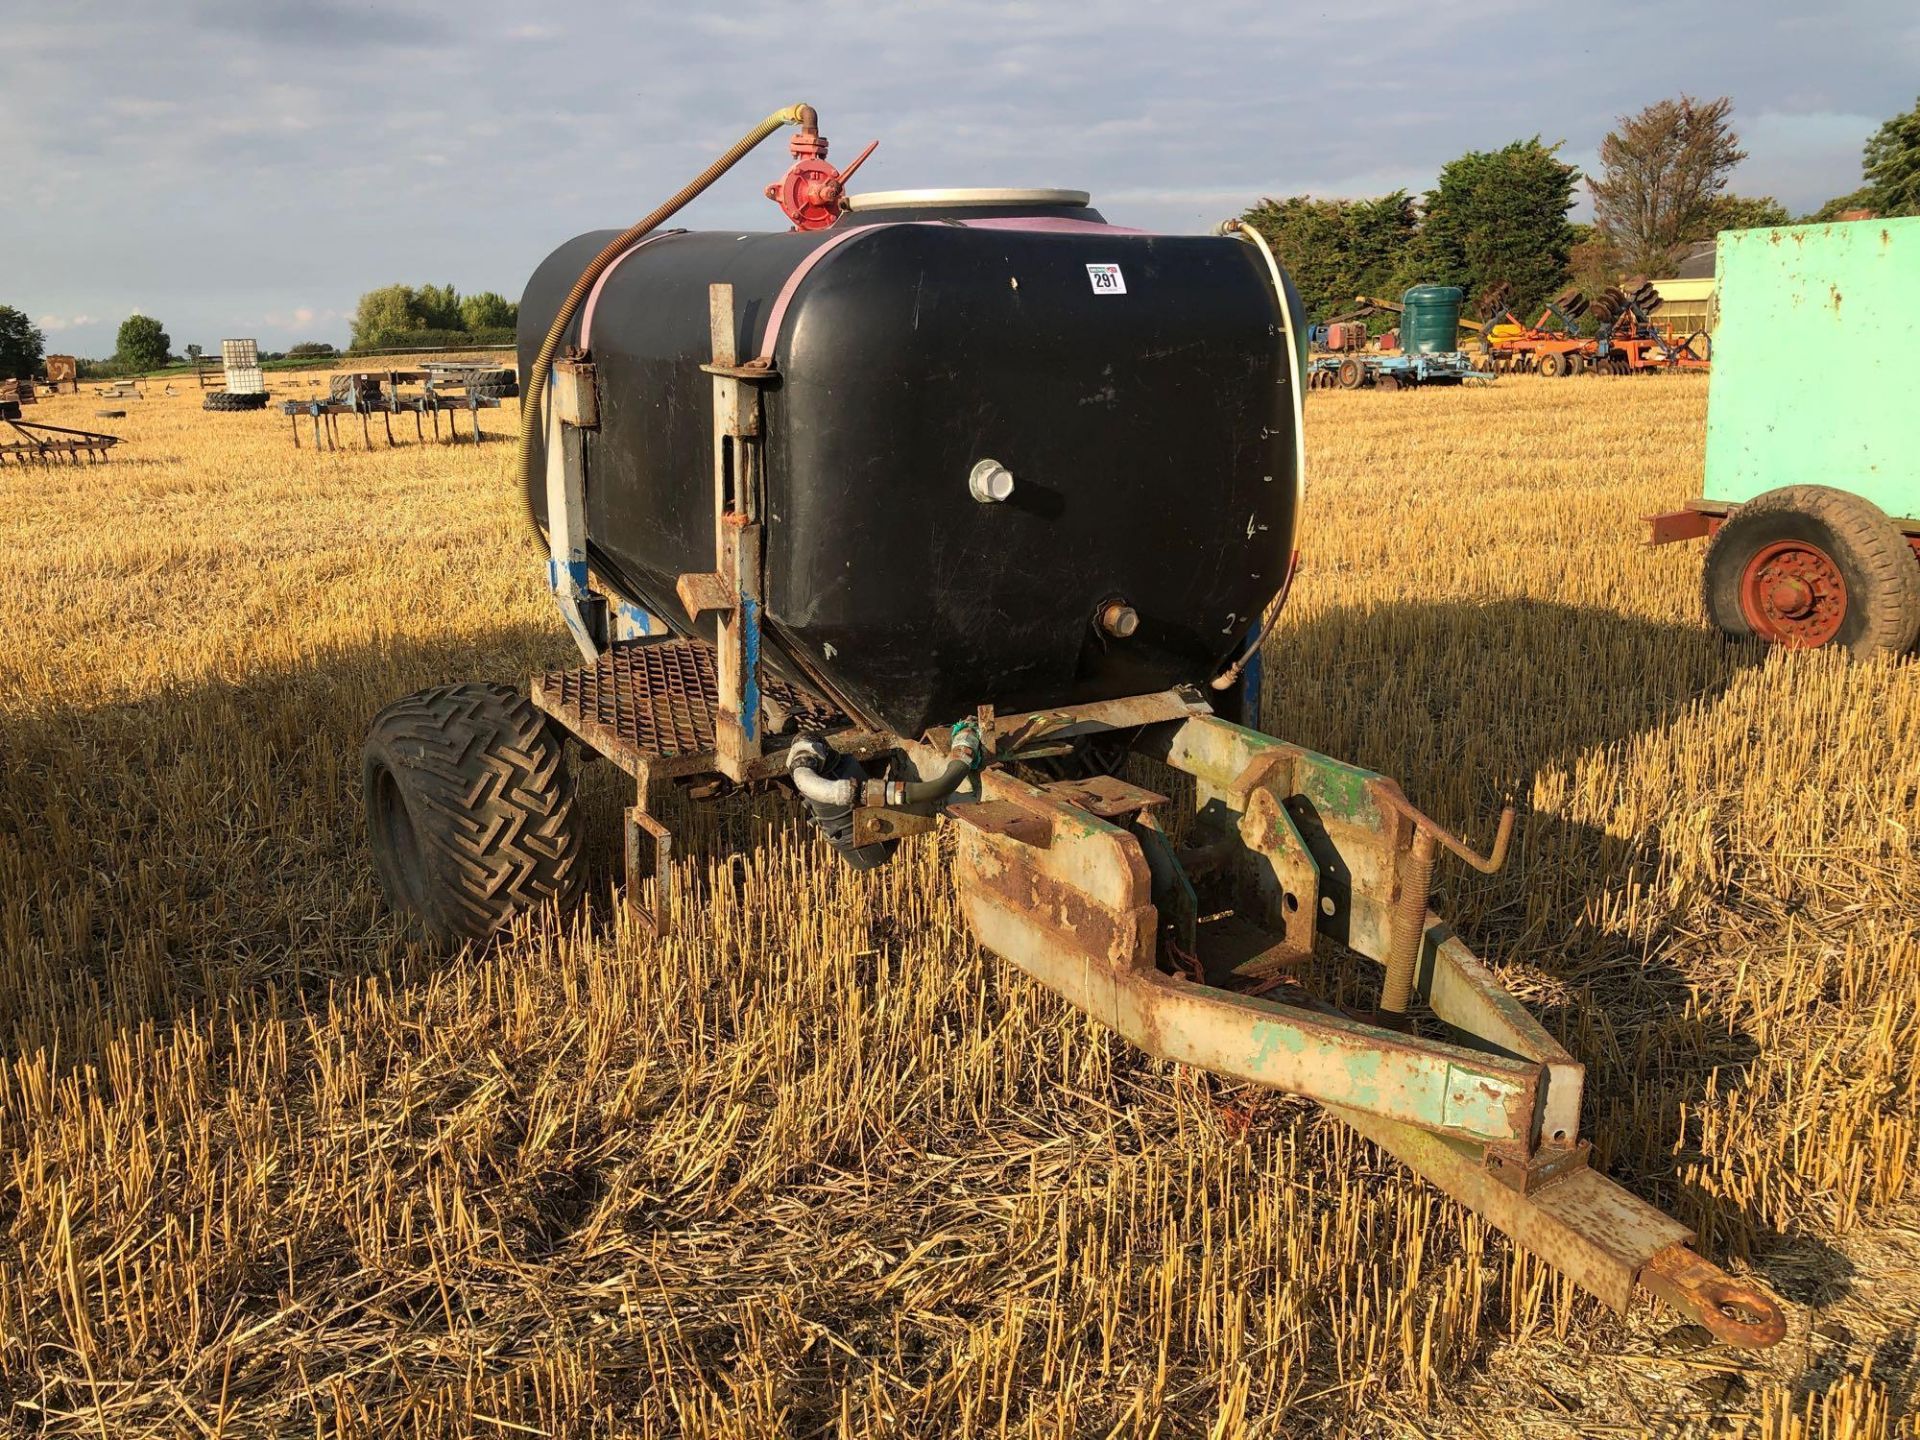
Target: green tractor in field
x=1812 y=487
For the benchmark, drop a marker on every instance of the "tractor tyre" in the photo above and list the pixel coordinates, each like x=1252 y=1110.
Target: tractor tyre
x=1552 y=365
x=1808 y=565
x=475 y=378
x=470 y=810
x=1352 y=373
x=227 y=400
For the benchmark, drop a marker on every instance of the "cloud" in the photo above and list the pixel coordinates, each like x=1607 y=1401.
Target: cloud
x=301 y=317
x=64 y=322
x=268 y=159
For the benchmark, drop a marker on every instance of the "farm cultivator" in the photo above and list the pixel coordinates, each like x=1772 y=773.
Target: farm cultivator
x=719 y=431
x=1423 y=349
x=442 y=390
x=27 y=442
x=1626 y=340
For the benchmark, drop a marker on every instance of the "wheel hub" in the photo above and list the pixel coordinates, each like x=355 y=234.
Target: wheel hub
x=1794 y=594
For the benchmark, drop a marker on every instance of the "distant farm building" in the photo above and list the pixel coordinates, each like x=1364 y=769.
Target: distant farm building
x=1687 y=296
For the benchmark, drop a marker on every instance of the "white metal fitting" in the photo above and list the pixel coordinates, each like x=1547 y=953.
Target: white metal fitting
x=991 y=482
x=807 y=752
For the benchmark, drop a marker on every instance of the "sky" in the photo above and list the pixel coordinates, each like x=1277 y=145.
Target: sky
x=247 y=167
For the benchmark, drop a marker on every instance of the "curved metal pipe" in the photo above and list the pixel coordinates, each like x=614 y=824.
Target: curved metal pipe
x=808 y=755
x=534 y=386
x=816 y=788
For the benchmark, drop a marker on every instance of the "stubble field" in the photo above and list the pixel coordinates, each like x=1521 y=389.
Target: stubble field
x=816 y=1165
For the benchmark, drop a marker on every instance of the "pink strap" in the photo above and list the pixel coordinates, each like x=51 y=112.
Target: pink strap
x=593 y=295
x=800 y=272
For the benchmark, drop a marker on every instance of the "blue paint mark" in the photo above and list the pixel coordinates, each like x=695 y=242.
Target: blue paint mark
x=750 y=650
x=639 y=619
x=575 y=573
x=1250 y=688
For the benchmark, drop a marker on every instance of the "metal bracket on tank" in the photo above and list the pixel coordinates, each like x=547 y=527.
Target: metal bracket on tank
x=573 y=409
x=731 y=591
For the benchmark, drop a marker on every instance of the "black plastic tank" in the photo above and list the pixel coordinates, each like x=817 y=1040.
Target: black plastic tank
x=1134 y=386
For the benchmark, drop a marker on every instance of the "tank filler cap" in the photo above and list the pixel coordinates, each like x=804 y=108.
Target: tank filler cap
x=990 y=482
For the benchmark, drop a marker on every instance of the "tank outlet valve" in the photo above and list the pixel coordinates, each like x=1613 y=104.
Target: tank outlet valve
x=831 y=784
x=1118 y=619
x=991 y=482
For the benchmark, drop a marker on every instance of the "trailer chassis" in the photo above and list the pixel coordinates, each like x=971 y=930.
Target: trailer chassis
x=1190 y=928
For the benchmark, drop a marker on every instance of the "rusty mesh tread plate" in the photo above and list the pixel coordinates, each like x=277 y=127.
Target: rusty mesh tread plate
x=649 y=700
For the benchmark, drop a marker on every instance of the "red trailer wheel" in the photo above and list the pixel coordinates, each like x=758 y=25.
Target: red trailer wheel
x=1793 y=594
x=1808 y=565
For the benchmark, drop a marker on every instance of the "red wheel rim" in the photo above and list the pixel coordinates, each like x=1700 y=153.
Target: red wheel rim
x=1793 y=594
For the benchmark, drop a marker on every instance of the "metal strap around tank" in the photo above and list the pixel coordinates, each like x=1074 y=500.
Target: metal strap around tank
x=778 y=312
x=1061 y=223
x=593 y=295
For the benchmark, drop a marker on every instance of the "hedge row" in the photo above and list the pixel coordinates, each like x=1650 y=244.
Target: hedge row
x=439 y=339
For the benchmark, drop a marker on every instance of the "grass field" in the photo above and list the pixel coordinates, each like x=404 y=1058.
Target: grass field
x=817 y=1165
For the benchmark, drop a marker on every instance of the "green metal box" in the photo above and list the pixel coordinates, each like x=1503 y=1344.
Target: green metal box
x=1814 y=363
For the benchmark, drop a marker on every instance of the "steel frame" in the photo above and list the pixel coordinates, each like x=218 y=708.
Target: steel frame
x=432 y=401
x=35 y=442
x=1188 y=935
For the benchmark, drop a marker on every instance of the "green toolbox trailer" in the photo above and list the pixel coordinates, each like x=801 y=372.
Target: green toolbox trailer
x=1812 y=491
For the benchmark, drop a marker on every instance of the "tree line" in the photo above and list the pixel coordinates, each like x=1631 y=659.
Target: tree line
x=1496 y=222
x=426 y=315
x=394 y=316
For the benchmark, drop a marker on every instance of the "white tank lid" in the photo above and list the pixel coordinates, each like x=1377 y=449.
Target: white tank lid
x=896 y=199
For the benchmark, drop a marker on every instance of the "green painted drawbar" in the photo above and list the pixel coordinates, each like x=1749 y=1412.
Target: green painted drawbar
x=1813 y=363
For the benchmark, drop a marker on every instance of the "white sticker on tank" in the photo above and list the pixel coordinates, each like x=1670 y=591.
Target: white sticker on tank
x=1107 y=280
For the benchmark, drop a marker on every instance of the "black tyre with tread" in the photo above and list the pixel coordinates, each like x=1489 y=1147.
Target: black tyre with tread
x=1872 y=556
x=227 y=400
x=470 y=810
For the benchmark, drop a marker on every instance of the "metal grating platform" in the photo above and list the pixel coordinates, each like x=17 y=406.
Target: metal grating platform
x=649 y=701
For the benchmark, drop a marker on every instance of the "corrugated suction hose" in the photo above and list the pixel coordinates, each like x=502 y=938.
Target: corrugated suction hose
x=534 y=387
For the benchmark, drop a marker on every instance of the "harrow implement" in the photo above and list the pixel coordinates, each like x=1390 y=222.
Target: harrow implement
x=367 y=395
x=35 y=443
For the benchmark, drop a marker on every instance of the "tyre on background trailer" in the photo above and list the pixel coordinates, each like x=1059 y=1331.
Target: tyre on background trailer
x=1807 y=565
x=227 y=400
x=1353 y=374
x=470 y=810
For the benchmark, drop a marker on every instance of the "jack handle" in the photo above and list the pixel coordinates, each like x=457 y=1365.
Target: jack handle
x=1390 y=796
x=1415 y=877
